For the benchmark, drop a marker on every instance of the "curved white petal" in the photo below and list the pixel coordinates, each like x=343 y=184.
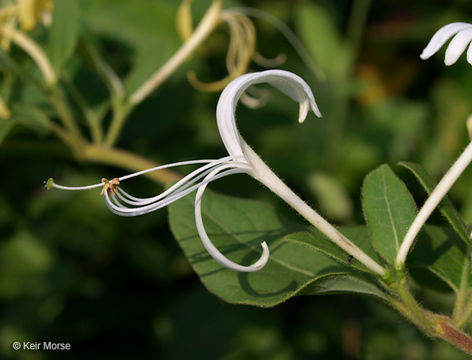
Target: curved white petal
x=212 y=250
x=469 y=54
x=287 y=82
x=441 y=36
x=457 y=46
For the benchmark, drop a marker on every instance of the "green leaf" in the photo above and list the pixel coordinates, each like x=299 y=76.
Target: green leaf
x=32 y=117
x=442 y=252
x=446 y=207
x=8 y=65
x=342 y=284
x=318 y=242
x=237 y=227
x=389 y=210
x=322 y=38
x=63 y=33
x=5 y=128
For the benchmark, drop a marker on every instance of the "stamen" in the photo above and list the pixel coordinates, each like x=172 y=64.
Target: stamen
x=110 y=185
x=291 y=37
x=114 y=204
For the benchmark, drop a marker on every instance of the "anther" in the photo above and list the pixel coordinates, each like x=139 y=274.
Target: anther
x=110 y=185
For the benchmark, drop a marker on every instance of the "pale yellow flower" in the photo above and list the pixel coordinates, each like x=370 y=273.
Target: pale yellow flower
x=242 y=44
x=28 y=13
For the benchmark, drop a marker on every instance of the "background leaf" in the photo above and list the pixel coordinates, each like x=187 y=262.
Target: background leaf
x=32 y=117
x=146 y=30
x=5 y=128
x=63 y=33
x=333 y=198
x=389 y=210
x=442 y=252
x=237 y=227
x=319 y=33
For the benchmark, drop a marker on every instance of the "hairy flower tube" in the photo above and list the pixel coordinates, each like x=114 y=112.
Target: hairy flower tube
x=241 y=159
x=462 y=38
x=461 y=34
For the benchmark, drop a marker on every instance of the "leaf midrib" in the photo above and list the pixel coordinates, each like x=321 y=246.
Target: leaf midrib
x=392 y=222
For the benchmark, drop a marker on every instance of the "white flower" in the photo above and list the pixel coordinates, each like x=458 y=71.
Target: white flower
x=241 y=159
x=462 y=36
x=124 y=204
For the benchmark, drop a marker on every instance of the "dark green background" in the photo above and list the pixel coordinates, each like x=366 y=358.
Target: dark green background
x=120 y=288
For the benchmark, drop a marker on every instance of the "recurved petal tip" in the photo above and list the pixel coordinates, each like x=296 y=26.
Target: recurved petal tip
x=288 y=83
x=303 y=112
x=441 y=36
x=425 y=56
x=259 y=264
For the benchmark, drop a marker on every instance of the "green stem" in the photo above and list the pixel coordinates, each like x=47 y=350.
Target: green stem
x=57 y=99
x=120 y=113
x=209 y=21
x=35 y=52
x=464 y=316
x=126 y=160
x=92 y=121
x=437 y=326
x=413 y=307
x=459 y=307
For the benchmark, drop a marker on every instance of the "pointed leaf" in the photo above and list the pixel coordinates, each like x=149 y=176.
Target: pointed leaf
x=237 y=227
x=342 y=284
x=64 y=32
x=318 y=242
x=441 y=251
x=446 y=207
x=389 y=210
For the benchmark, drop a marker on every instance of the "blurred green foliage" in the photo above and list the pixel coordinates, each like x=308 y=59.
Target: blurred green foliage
x=121 y=288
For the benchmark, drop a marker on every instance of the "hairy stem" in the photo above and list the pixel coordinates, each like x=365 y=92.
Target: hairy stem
x=126 y=160
x=267 y=177
x=454 y=336
x=462 y=318
x=412 y=305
